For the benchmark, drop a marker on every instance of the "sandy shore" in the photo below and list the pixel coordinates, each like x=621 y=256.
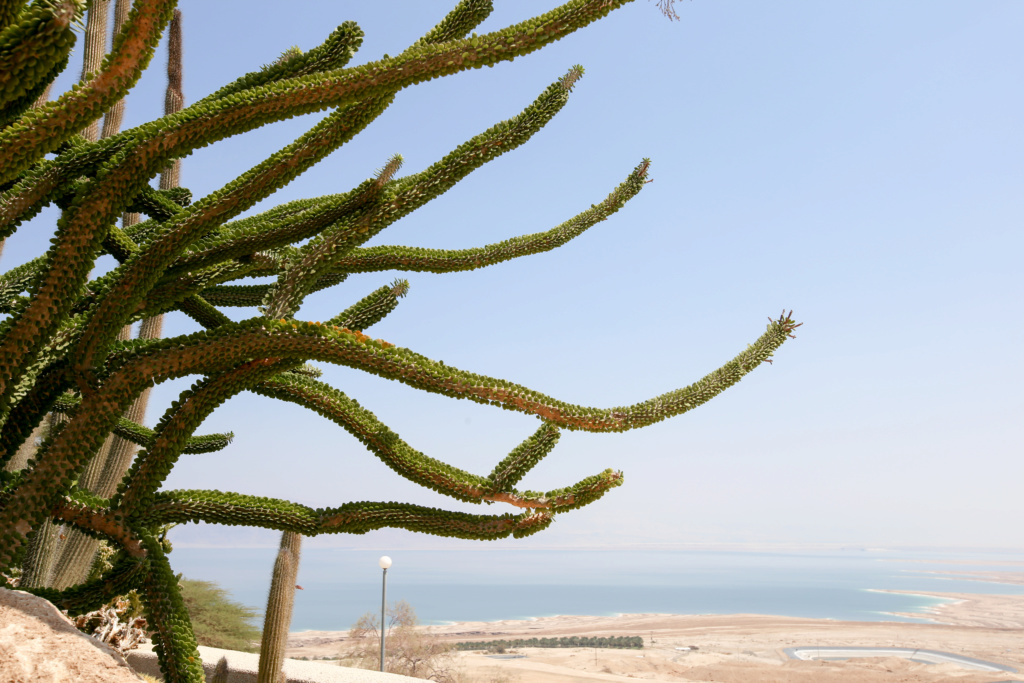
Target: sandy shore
x=740 y=648
x=1016 y=578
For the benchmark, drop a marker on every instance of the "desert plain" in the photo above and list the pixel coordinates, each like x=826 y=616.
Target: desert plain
x=743 y=648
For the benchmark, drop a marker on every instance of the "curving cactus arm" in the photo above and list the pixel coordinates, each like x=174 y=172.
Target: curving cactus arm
x=173 y=640
x=33 y=52
x=43 y=130
x=144 y=436
x=350 y=518
x=65 y=352
x=125 y=575
x=153 y=465
x=254 y=295
x=430 y=472
x=246 y=111
x=334 y=53
x=84 y=512
x=464 y=17
x=207 y=353
x=372 y=259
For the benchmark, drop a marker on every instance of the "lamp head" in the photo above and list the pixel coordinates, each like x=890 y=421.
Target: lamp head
x=384 y=562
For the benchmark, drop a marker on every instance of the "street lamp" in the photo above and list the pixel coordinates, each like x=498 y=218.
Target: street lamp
x=384 y=563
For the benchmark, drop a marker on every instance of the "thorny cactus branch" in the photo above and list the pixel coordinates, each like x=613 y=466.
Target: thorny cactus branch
x=9 y=11
x=103 y=522
x=350 y=518
x=154 y=464
x=64 y=351
x=43 y=130
x=173 y=640
x=372 y=308
x=131 y=282
x=32 y=53
x=415 y=259
x=211 y=353
x=108 y=468
x=124 y=576
x=141 y=435
x=429 y=472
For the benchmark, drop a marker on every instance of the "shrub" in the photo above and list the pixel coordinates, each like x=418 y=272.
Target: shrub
x=410 y=651
x=218 y=620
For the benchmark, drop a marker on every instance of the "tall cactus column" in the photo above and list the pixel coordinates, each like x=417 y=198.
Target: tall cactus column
x=115 y=115
x=95 y=50
x=74 y=559
x=278 y=618
x=45 y=549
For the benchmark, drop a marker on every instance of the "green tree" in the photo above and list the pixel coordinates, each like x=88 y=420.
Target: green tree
x=62 y=349
x=219 y=621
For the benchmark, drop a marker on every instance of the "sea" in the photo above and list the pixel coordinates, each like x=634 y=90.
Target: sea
x=443 y=586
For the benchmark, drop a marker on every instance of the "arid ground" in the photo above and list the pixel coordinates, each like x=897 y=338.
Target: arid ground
x=742 y=648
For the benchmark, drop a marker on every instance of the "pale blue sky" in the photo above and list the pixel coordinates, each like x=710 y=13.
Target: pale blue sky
x=860 y=163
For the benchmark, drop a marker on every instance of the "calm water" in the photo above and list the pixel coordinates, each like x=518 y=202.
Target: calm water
x=493 y=584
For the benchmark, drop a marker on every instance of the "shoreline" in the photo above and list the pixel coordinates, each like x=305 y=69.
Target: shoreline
x=929 y=613
x=737 y=648
x=956 y=609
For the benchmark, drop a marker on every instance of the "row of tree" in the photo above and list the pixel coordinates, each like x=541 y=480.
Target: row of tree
x=620 y=642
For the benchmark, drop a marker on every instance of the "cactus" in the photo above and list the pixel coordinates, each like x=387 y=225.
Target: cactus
x=278 y=617
x=220 y=672
x=72 y=562
x=95 y=49
x=60 y=349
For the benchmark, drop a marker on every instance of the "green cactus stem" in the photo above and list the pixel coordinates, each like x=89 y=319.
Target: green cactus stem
x=220 y=672
x=76 y=556
x=278 y=617
x=173 y=640
x=9 y=11
x=33 y=51
x=124 y=576
x=67 y=359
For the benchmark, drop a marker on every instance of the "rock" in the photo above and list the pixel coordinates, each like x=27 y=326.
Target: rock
x=38 y=644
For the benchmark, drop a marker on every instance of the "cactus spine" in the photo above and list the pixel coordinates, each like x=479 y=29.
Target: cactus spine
x=278 y=617
x=62 y=345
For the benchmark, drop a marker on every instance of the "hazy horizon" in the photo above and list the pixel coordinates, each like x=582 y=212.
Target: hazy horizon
x=483 y=583
x=394 y=540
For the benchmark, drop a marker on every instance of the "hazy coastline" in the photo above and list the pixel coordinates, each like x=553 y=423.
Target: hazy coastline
x=479 y=585
x=740 y=648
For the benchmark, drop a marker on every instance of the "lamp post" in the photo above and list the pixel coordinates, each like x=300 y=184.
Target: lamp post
x=384 y=563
